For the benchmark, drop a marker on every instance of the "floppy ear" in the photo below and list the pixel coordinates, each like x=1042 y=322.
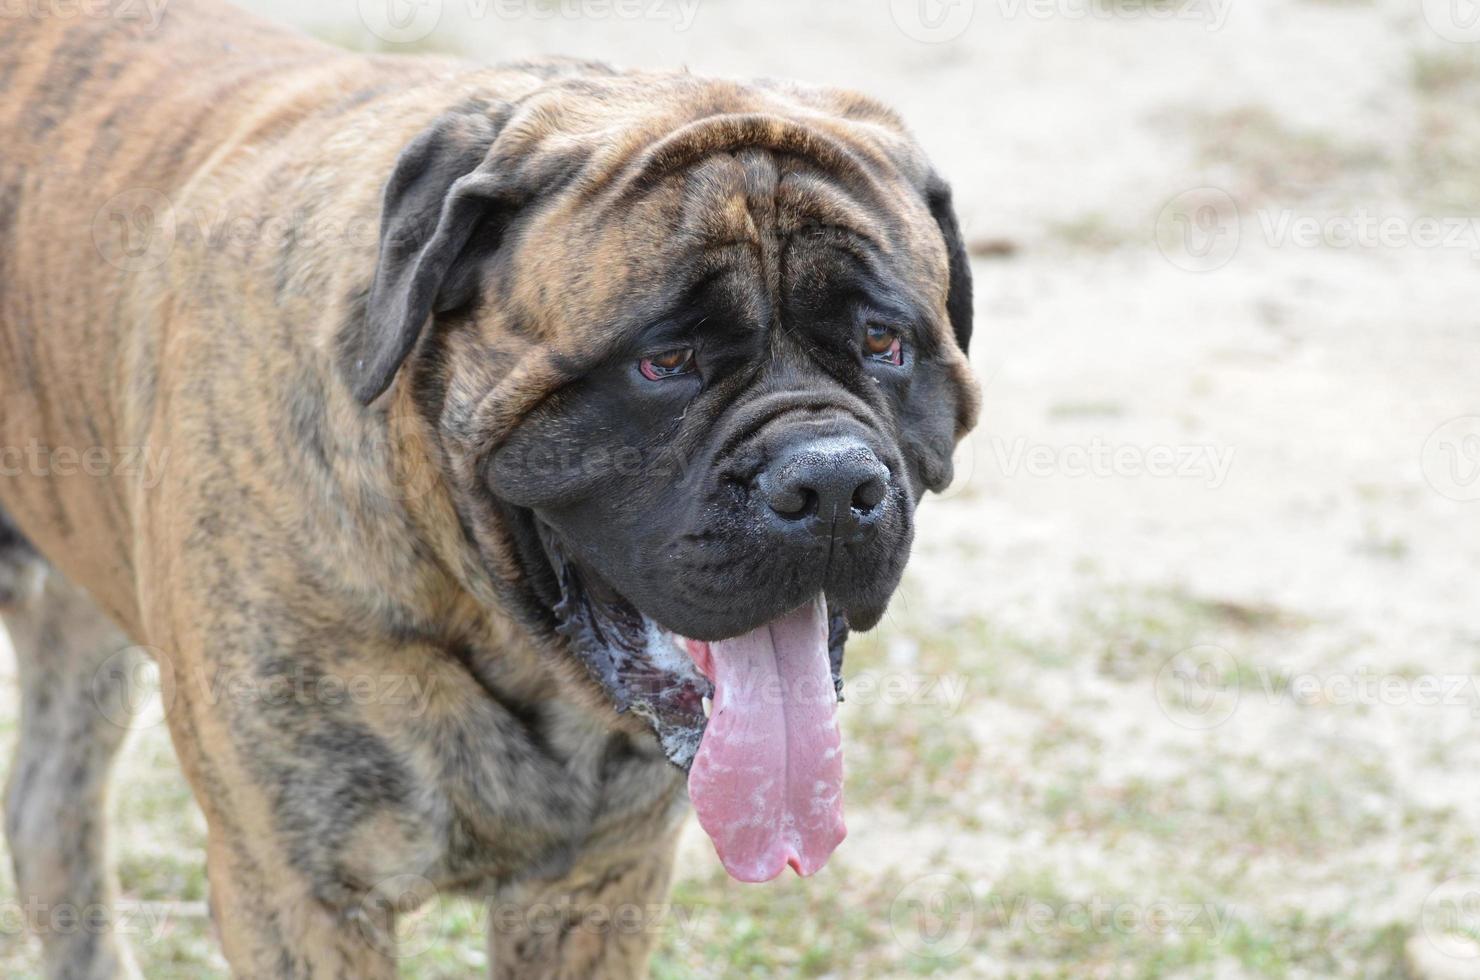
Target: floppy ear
x=958 y=296
x=441 y=197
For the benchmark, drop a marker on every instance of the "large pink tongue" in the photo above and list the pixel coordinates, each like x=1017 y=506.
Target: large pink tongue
x=767 y=783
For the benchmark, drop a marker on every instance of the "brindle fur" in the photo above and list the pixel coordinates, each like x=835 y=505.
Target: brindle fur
x=293 y=531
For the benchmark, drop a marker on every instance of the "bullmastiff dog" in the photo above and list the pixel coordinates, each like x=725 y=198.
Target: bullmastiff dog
x=492 y=461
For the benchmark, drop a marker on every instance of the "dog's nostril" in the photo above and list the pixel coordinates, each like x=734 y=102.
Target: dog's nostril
x=869 y=495
x=793 y=503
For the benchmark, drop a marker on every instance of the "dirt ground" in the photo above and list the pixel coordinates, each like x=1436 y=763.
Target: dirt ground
x=1185 y=676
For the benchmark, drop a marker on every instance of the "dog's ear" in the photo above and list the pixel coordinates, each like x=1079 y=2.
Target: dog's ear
x=443 y=203
x=958 y=296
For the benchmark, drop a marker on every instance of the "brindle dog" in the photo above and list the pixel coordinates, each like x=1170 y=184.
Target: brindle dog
x=402 y=411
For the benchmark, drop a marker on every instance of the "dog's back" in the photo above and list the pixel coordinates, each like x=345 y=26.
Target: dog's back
x=112 y=131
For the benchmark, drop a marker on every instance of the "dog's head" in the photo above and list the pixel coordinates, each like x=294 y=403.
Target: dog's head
x=700 y=347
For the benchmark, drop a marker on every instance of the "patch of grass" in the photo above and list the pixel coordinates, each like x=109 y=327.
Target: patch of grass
x=1136 y=631
x=1374 y=543
x=1443 y=177
x=1086 y=410
x=832 y=923
x=908 y=758
x=1444 y=71
x=1270 y=158
x=162 y=874
x=1230 y=834
x=1092 y=232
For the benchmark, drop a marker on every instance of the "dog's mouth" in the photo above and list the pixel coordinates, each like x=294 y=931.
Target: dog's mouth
x=751 y=719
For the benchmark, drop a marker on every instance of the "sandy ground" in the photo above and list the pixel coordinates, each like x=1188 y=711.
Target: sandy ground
x=1185 y=675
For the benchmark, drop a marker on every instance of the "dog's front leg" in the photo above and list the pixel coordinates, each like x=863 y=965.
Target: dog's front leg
x=601 y=923
x=312 y=804
x=276 y=908
x=272 y=925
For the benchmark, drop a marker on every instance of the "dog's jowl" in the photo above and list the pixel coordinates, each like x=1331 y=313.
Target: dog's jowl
x=519 y=446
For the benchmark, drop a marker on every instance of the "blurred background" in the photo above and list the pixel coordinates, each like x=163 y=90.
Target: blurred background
x=1185 y=676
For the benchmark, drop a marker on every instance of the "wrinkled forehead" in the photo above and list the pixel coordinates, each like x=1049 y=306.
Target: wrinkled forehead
x=787 y=224
x=760 y=197
x=771 y=194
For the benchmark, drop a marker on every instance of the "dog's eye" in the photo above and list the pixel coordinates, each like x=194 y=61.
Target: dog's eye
x=668 y=364
x=883 y=344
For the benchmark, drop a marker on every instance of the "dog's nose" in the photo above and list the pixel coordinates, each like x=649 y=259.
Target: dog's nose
x=826 y=486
